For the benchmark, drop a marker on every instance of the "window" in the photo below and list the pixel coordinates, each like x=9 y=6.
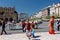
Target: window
x=1 y=13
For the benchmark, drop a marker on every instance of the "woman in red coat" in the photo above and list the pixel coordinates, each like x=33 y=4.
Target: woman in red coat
x=51 y=26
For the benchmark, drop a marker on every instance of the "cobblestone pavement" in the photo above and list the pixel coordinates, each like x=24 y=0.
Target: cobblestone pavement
x=39 y=36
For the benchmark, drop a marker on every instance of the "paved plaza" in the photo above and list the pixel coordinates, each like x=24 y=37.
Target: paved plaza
x=41 y=33
x=40 y=36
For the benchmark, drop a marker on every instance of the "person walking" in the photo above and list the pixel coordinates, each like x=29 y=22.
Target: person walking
x=32 y=29
x=0 y=23
x=28 y=26
x=28 y=29
x=58 y=25
x=36 y=24
x=23 y=26
x=51 y=26
x=3 y=27
x=33 y=25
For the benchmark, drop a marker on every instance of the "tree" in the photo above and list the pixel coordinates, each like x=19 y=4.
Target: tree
x=15 y=12
x=48 y=17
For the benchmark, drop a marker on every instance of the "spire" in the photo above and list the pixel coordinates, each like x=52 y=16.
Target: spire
x=53 y=4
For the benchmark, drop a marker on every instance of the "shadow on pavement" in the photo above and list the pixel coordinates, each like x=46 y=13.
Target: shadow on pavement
x=8 y=33
x=36 y=36
x=13 y=33
x=35 y=39
x=15 y=29
x=57 y=33
x=39 y=28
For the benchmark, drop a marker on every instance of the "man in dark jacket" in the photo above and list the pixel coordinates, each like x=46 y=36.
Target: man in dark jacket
x=0 y=23
x=58 y=25
x=3 y=27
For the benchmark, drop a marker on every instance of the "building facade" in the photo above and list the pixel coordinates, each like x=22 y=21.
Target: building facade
x=49 y=11
x=45 y=12
x=8 y=12
x=55 y=10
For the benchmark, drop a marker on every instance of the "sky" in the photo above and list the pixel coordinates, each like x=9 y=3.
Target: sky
x=27 y=6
